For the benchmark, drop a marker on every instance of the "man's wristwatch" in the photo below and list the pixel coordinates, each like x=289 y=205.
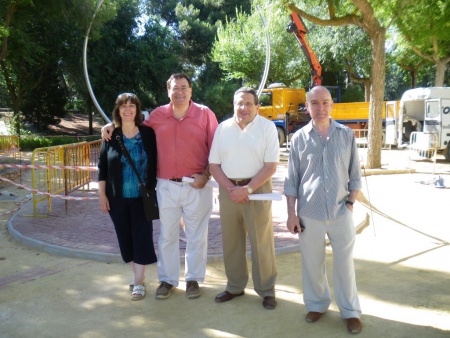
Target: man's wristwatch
x=349 y=202
x=207 y=173
x=249 y=189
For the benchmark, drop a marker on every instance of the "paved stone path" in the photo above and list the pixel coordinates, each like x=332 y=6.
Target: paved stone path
x=83 y=231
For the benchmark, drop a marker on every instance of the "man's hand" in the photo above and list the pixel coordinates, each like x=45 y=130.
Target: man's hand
x=200 y=181
x=107 y=130
x=293 y=222
x=238 y=194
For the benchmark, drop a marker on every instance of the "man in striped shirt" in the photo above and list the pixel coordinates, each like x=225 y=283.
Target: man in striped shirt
x=322 y=183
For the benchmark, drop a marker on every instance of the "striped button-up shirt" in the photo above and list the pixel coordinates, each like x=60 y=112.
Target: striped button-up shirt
x=321 y=173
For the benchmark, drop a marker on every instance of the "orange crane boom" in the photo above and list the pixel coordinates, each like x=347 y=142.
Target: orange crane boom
x=297 y=27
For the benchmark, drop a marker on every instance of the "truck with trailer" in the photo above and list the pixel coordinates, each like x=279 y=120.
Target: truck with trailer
x=420 y=119
x=286 y=106
x=425 y=114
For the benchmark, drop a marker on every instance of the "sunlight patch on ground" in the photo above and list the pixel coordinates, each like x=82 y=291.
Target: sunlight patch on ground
x=95 y=302
x=419 y=315
x=218 y=333
x=3 y=128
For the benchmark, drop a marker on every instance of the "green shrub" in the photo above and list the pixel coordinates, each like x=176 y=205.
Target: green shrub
x=30 y=142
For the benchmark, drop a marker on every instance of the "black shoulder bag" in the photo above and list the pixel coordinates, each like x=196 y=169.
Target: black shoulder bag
x=148 y=196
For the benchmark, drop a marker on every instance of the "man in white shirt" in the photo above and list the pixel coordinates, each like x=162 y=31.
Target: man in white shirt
x=243 y=158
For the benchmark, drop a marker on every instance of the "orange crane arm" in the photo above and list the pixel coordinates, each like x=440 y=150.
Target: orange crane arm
x=297 y=27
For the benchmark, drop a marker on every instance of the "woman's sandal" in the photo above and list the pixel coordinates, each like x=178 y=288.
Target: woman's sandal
x=138 y=292
x=132 y=285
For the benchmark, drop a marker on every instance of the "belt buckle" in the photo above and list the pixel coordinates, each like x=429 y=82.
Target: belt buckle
x=238 y=182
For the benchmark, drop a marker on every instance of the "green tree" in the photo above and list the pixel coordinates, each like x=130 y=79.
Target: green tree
x=45 y=104
x=33 y=39
x=126 y=60
x=374 y=17
x=240 y=48
x=425 y=28
x=194 y=23
x=401 y=56
x=350 y=47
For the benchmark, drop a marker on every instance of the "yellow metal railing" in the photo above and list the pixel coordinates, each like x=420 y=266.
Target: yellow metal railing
x=58 y=180
x=80 y=154
x=9 y=143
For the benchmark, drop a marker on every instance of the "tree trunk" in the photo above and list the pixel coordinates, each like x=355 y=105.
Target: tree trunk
x=367 y=87
x=376 y=99
x=440 y=72
x=413 y=78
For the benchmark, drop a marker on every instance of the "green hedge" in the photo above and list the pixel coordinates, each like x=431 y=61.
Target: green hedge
x=29 y=143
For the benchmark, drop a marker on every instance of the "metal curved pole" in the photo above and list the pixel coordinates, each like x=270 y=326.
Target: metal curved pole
x=86 y=75
x=267 y=65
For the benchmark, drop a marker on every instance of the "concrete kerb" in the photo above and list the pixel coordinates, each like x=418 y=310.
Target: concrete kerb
x=362 y=220
x=60 y=250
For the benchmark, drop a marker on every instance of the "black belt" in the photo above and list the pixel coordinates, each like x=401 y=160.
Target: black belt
x=176 y=179
x=241 y=182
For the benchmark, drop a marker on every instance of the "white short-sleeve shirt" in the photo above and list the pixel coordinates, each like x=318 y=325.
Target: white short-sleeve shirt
x=243 y=152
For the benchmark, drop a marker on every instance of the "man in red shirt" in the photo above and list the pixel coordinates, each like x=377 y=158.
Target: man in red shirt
x=184 y=133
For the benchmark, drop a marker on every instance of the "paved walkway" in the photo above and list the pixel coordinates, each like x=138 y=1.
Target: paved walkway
x=82 y=231
x=78 y=228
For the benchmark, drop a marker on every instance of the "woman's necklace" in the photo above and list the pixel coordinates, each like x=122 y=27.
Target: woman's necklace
x=130 y=131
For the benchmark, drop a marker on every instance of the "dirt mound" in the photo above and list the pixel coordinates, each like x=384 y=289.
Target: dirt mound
x=75 y=124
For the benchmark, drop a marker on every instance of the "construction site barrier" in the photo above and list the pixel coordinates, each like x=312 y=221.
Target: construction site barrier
x=423 y=145
x=53 y=180
x=9 y=144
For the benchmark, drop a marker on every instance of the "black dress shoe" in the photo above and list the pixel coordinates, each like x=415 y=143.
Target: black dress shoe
x=226 y=296
x=269 y=303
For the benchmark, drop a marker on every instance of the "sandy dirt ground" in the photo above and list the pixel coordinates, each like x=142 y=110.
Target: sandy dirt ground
x=401 y=261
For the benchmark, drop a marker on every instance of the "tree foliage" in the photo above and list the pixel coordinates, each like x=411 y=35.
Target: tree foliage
x=195 y=24
x=371 y=18
x=425 y=27
x=240 y=47
x=122 y=60
x=219 y=43
x=35 y=37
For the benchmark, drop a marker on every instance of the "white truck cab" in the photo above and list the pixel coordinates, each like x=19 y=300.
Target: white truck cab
x=424 y=110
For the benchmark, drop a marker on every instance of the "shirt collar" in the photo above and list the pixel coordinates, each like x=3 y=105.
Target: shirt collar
x=251 y=123
x=333 y=126
x=189 y=113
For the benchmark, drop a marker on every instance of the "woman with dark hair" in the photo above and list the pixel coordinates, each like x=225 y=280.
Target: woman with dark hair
x=119 y=189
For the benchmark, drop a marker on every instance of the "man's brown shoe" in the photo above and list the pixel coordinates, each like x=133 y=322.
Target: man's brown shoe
x=312 y=317
x=192 y=289
x=226 y=296
x=164 y=290
x=269 y=303
x=354 y=325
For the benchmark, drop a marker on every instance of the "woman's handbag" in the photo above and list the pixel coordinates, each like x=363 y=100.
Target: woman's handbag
x=148 y=196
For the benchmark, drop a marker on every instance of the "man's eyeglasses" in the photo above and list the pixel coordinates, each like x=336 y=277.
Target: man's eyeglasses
x=180 y=89
x=242 y=105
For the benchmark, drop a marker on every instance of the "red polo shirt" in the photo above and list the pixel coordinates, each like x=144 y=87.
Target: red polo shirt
x=183 y=145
